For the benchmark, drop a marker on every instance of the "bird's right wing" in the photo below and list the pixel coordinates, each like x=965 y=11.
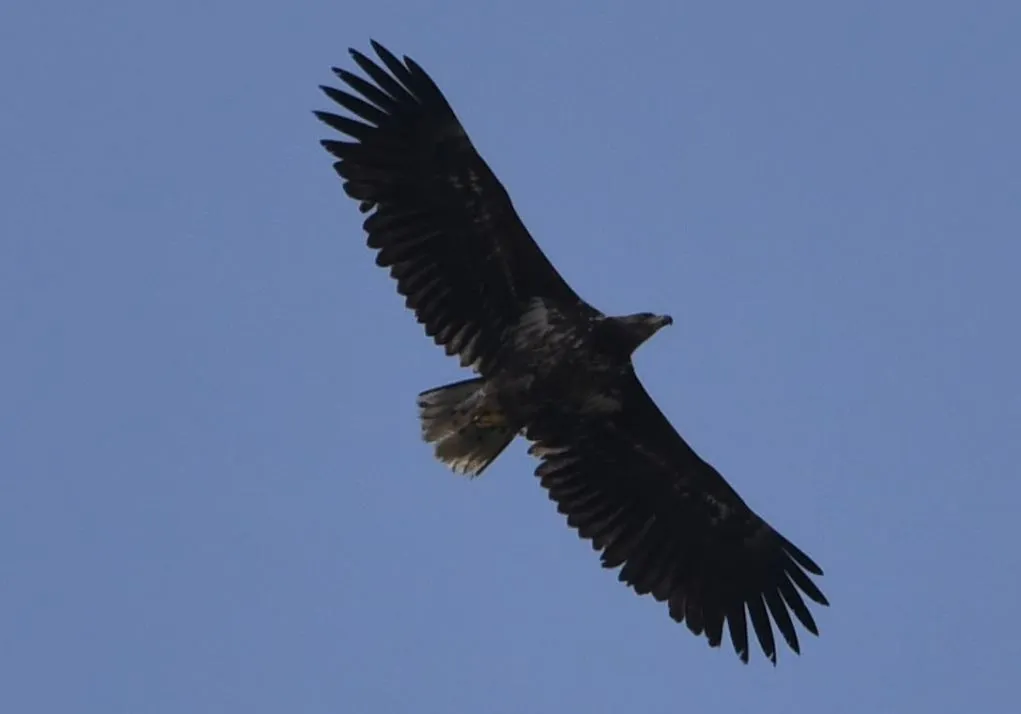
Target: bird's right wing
x=442 y=223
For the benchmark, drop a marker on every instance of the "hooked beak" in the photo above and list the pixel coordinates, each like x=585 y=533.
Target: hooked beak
x=663 y=320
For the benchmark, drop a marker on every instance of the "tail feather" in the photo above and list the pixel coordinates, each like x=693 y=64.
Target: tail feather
x=467 y=431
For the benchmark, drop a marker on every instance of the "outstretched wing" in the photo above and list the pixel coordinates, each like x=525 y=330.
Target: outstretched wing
x=633 y=487
x=442 y=223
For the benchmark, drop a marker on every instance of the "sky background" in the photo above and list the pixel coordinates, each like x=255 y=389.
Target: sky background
x=214 y=497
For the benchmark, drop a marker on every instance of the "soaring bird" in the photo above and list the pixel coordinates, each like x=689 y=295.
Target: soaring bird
x=550 y=367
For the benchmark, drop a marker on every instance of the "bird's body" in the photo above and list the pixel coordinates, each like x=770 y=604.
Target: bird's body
x=551 y=367
x=557 y=362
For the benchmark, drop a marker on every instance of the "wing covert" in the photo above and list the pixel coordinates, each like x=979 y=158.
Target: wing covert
x=441 y=222
x=633 y=487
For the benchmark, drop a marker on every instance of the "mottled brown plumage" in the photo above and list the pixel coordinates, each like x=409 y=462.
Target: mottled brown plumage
x=552 y=368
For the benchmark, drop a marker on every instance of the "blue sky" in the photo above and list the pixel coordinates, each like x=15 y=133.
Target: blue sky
x=214 y=496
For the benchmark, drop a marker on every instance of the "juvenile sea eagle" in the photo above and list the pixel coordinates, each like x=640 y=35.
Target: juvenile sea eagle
x=552 y=368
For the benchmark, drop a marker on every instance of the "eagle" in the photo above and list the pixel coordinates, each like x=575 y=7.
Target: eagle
x=551 y=368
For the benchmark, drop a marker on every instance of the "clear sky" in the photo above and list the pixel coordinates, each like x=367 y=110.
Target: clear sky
x=214 y=497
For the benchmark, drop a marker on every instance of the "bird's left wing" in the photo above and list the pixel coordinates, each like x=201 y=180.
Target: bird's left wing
x=633 y=487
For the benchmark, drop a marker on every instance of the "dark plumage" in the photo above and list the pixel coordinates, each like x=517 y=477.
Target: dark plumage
x=552 y=368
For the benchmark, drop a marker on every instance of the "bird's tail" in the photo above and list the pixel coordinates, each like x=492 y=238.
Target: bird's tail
x=467 y=428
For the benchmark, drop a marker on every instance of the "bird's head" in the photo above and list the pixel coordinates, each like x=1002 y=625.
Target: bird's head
x=638 y=328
